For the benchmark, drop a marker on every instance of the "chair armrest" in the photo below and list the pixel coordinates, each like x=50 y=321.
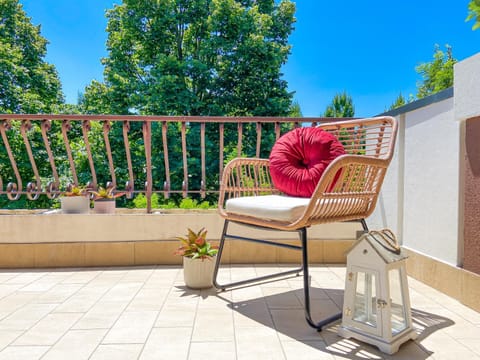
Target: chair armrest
x=347 y=190
x=245 y=177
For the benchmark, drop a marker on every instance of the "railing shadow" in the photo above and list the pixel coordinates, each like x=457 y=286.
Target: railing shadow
x=283 y=312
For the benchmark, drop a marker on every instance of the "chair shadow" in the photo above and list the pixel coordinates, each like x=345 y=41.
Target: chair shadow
x=283 y=312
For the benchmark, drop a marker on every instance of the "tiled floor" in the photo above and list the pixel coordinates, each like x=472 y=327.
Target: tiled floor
x=147 y=313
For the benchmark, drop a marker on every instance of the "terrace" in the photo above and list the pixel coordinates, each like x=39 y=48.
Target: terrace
x=96 y=286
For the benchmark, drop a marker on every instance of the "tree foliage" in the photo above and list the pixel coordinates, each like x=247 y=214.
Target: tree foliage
x=399 y=101
x=195 y=57
x=437 y=74
x=295 y=110
x=28 y=84
x=474 y=13
x=341 y=106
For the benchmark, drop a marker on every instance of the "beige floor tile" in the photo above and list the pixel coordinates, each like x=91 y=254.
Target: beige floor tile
x=26 y=317
x=75 y=345
x=82 y=276
x=258 y=343
x=212 y=351
x=8 y=289
x=43 y=284
x=81 y=302
x=252 y=313
x=162 y=277
x=177 y=314
x=48 y=330
x=15 y=301
x=6 y=275
x=167 y=344
x=148 y=300
x=58 y=294
x=101 y=311
x=141 y=274
x=443 y=346
x=123 y=291
x=26 y=277
x=117 y=352
x=281 y=298
x=101 y=316
x=8 y=336
x=472 y=343
x=411 y=350
x=208 y=323
x=23 y=352
x=245 y=293
x=291 y=324
x=108 y=278
x=131 y=328
x=306 y=350
x=342 y=348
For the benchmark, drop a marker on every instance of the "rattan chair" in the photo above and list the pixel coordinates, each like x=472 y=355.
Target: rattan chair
x=347 y=191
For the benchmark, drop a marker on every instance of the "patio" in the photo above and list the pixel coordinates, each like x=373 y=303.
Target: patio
x=147 y=313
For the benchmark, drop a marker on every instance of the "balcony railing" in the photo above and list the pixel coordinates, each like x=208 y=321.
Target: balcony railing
x=44 y=154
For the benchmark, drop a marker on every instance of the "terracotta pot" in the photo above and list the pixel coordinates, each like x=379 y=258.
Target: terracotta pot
x=104 y=206
x=75 y=205
x=198 y=273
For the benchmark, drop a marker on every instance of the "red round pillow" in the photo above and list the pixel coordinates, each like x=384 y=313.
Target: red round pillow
x=299 y=158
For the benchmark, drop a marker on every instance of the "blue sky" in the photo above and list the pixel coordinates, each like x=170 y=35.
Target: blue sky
x=367 y=48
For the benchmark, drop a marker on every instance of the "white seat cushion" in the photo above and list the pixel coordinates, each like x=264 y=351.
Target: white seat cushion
x=272 y=207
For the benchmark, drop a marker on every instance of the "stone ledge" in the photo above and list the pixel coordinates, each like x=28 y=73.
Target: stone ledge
x=455 y=282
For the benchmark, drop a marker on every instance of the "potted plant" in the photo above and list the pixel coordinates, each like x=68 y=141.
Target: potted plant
x=104 y=200
x=198 y=259
x=75 y=200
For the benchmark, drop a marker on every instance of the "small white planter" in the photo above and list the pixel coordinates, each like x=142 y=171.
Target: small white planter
x=104 y=206
x=198 y=273
x=75 y=205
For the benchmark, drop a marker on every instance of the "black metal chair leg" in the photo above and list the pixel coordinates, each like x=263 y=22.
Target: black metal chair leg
x=306 y=288
x=364 y=225
x=223 y=238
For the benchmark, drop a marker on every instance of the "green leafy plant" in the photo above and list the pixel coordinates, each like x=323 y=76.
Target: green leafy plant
x=106 y=193
x=196 y=246
x=76 y=190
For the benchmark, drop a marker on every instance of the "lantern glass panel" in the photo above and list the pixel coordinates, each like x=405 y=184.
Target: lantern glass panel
x=399 y=318
x=365 y=309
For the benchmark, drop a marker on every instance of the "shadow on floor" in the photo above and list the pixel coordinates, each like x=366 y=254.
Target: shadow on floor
x=283 y=312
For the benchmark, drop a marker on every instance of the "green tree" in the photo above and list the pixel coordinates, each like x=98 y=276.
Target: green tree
x=399 y=101
x=341 y=106
x=196 y=57
x=28 y=84
x=474 y=13
x=437 y=74
x=295 y=110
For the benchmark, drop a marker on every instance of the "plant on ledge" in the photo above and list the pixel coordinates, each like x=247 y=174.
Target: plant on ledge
x=76 y=190
x=104 y=199
x=197 y=273
x=75 y=200
x=107 y=193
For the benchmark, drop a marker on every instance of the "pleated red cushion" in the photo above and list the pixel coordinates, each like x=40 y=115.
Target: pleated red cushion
x=299 y=158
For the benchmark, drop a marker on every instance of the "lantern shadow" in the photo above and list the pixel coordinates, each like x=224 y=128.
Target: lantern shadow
x=282 y=311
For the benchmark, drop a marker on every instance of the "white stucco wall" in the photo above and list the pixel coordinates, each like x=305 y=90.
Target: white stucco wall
x=388 y=212
x=431 y=185
x=421 y=199
x=467 y=88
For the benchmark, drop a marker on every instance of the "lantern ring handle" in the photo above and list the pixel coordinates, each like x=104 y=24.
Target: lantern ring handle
x=387 y=239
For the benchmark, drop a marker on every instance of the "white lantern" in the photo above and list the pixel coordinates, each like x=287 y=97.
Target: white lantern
x=376 y=307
